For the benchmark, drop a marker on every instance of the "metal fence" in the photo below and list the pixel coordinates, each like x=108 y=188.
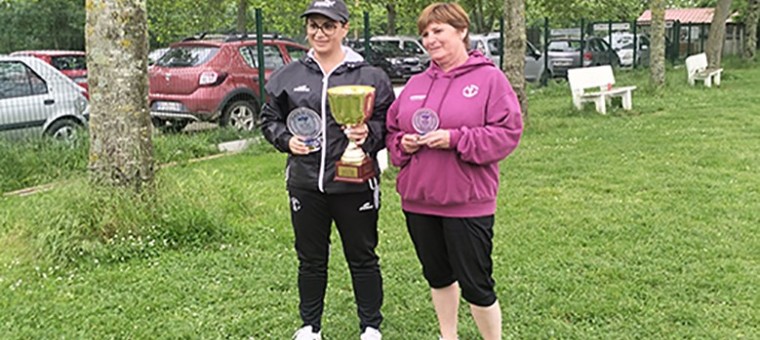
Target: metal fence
x=219 y=81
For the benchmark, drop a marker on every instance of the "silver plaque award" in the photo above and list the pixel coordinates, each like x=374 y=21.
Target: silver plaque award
x=425 y=120
x=306 y=123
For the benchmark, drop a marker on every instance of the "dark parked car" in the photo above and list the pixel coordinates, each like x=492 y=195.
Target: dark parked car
x=387 y=55
x=214 y=78
x=565 y=54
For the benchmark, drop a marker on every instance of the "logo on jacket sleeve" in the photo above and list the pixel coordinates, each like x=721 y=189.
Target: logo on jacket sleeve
x=470 y=91
x=366 y=206
x=295 y=203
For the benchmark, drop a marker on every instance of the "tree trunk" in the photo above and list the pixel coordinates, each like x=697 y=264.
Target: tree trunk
x=121 y=150
x=477 y=18
x=242 y=15
x=514 y=49
x=657 y=43
x=717 y=35
x=753 y=14
x=391 y=8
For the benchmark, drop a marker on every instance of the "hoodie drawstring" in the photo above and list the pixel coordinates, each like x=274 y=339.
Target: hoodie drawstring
x=430 y=88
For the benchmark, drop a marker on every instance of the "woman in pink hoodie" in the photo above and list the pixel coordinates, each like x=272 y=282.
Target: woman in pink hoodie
x=447 y=131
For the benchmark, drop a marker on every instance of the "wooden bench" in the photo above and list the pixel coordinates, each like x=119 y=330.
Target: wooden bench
x=696 y=68
x=596 y=84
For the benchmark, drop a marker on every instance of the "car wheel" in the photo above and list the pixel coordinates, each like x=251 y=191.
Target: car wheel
x=240 y=115
x=169 y=126
x=64 y=129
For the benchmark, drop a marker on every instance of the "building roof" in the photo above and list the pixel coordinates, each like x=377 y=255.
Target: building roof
x=684 y=15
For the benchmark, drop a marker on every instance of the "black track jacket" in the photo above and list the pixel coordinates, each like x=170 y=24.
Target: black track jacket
x=303 y=84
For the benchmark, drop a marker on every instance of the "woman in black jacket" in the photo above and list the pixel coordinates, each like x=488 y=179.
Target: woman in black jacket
x=316 y=199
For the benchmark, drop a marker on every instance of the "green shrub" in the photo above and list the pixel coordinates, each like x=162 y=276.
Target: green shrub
x=81 y=223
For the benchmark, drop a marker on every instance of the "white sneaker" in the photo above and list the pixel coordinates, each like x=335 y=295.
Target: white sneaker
x=371 y=334
x=306 y=333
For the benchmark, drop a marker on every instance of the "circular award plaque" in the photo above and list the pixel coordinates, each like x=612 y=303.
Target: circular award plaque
x=425 y=120
x=305 y=123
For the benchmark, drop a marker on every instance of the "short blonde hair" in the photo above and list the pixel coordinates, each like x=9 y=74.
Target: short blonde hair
x=445 y=13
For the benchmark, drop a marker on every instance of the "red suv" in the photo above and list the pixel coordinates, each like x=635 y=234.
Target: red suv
x=71 y=63
x=215 y=79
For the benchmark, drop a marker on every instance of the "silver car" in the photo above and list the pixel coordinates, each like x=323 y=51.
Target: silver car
x=564 y=54
x=36 y=99
x=534 y=59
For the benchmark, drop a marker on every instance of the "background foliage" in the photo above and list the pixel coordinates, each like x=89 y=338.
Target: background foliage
x=638 y=224
x=59 y=24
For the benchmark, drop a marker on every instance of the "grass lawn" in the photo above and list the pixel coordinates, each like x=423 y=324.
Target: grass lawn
x=633 y=225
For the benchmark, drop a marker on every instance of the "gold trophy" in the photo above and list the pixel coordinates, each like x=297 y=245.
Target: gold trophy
x=352 y=105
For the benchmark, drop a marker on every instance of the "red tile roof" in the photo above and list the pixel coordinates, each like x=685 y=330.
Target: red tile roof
x=685 y=15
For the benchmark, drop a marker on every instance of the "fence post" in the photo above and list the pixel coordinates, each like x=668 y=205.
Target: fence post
x=367 y=50
x=609 y=33
x=545 y=80
x=260 y=55
x=676 y=41
x=635 y=46
x=702 y=38
x=688 y=43
x=583 y=39
x=501 y=42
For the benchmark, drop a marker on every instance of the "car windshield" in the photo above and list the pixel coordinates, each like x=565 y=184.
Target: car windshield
x=387 y=47
x=69 y=62
x=186 y=56
x=494 y=46
x=564 y=45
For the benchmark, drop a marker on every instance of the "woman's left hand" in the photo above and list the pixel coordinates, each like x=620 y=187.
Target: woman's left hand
x=438 y=139
x=357 y=133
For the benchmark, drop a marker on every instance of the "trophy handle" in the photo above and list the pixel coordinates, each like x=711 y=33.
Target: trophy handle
x=369 y=104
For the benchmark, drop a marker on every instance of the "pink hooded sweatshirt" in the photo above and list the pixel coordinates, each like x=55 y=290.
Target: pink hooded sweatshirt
x=476 y=103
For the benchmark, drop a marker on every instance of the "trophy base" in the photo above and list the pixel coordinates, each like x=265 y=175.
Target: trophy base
x=354 y=173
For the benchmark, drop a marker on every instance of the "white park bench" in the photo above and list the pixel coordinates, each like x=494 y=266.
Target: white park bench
x=597 y=84
x=696 y=68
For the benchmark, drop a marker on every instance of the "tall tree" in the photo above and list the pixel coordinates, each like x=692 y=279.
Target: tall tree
x=390 y=7
x=121 y=150
x=514 y=49
x=750 y=22
x=715 y=38
x=242 y=15
x=657 y=43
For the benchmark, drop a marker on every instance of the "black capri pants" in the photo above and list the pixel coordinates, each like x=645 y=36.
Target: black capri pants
x=453 y=249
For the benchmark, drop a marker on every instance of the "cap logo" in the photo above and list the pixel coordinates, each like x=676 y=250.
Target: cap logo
x=325 y=3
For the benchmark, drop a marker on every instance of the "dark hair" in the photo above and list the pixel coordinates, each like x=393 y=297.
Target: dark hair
x=445 y=13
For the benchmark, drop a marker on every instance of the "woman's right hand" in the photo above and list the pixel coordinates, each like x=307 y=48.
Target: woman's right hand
x=297 y=146
x=409 y=143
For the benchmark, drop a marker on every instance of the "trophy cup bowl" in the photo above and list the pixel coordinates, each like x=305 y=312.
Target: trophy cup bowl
x=352 y=105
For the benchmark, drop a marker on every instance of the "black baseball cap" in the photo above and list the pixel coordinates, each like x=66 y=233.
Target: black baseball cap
x=333 y=9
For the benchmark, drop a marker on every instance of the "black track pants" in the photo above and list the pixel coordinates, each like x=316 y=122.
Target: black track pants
x=355 y=216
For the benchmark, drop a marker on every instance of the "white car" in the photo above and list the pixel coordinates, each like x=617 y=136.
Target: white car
x=534 y=59
x=37 y=99
x=622 y=43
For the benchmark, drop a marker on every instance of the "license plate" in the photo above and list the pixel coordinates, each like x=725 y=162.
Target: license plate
x=169 y=106
x=416 y=69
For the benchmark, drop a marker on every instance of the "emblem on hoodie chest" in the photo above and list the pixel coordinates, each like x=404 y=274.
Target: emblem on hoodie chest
x=470 y=91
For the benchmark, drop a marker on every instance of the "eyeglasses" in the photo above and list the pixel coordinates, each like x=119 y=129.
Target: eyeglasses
x=328 y=28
